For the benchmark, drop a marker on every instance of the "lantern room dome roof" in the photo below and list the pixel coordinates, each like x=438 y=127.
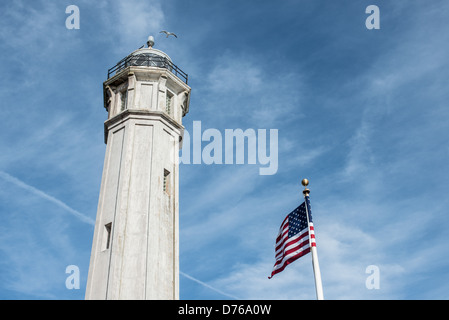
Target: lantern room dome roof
x=148 y=57
x=151 y=52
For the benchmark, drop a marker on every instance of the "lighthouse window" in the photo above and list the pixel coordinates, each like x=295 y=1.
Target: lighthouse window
x=123 y=100
x=168 y=102
x=107 y=235
x=166 y=184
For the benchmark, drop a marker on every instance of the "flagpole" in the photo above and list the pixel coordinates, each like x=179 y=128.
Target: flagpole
x=316 y=265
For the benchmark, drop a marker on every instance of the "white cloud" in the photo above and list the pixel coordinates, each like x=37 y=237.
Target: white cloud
x=32 y=30
x=350 y=236
x=208 y=286
x=235 y=74
x=344 y=253
x=37 y=240
x=360 y=156
x=370 y=224
x=243 y=88
x=82 y=217
x=136 y=20
x=250 y=281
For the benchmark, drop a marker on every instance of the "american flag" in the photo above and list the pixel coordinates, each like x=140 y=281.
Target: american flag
x=294 y=238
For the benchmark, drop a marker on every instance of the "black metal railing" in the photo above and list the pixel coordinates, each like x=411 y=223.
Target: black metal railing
x=148 y=60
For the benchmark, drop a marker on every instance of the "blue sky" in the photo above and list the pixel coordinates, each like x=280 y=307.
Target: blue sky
x=361 y=113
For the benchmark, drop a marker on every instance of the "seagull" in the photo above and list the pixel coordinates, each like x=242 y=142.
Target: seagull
x=168 y=33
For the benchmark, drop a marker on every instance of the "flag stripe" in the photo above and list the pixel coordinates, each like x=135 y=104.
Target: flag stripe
x=290 y=241
x=299 y=252
x=295 y=248
x=295 y=238
x=291 y=249
x=288 y=261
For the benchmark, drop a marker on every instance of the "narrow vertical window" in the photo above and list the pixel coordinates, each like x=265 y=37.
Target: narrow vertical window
x=168 y=102
x=123 y=100
x=166 y=184
x=107 y=236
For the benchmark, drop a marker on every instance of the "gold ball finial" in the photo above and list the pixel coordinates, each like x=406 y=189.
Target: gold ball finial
x=305 y=182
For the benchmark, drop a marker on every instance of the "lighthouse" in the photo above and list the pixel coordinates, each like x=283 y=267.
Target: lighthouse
x=135 y=250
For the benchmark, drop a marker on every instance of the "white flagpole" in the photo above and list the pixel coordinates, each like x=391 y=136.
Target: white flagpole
x=316 y=265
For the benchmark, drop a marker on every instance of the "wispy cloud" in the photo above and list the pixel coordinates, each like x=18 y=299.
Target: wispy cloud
x=235 y=74
x=360 y=154
x=21 y=286
x=80 y=216
x=254 y=94
x=133 y=21
x=208 y=286
x=364 y=112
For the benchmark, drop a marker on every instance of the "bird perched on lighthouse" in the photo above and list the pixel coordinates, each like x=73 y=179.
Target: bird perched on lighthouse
x=168 y=33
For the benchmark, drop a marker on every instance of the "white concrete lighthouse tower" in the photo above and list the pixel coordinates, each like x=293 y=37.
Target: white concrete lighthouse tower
x=135 y=245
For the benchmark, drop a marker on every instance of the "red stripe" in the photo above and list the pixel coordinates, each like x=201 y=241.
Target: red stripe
x=296 y=244
x=281 y=242
x=283 y=223
x=300 y=245
x=282 y=232
x=283 y=254
x=286 y=242
x=289 y=260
